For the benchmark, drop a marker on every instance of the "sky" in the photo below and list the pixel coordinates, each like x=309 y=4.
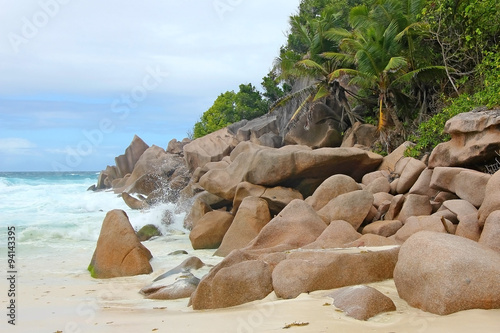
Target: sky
x=80 y=78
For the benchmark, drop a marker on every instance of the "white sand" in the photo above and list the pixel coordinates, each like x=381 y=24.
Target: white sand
x=57 y=294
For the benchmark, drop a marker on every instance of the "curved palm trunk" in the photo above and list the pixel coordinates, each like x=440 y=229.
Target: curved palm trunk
x=387 y=113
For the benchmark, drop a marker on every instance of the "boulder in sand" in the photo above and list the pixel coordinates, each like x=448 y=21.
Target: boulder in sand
x=119 y=252
x=361 y=302
x=238 y=279
x=443 y=274
x=310 y=270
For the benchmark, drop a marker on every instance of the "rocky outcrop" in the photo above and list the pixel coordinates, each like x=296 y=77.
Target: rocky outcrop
x=317 y=128
x=287 y=166
x=475 y=138
x=443 y=274
x=119 y=252
x=177 y=147
x=125 y=163
x=360 y=134
x=212 y=147
x=295 y=219
x=361 y=302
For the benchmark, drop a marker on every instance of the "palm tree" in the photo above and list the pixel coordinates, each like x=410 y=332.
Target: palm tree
x=375 y=56
x=314 y=67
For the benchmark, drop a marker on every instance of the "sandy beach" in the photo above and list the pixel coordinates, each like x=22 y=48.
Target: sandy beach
x=55 y=293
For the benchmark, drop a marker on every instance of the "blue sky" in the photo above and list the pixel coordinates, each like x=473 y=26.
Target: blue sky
x=80 y=78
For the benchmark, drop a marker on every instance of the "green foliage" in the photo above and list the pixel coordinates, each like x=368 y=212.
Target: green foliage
x=231 y=107
x=430 y=133
x=273 y=91
x=463 y=29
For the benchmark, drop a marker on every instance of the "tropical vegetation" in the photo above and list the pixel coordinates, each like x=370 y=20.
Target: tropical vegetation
x=413 y=63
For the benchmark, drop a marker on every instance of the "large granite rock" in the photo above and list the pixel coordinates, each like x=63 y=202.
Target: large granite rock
x=152 y=172
x=125 y=163
x=210 y=230
x=309 y=270
x=210 y=148
x=119 y=252
x=490 y=236
x=475 y=138
x=287 y=166
x=316 y=128
x=352 y=207
x=443 y=274
x=335 y=235
x=238 y=279
x=361 y=302
x=177 y=147
x=491 y=201
x=256 y=128
x=385 y=228
x=297 y=225
x=360 y=134
x=416 y=224
x=330 y=189
x=467 y=184
x=409 y=169
x=253 y=214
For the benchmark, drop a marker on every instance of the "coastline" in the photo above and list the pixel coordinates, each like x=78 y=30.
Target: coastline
x=58 y=295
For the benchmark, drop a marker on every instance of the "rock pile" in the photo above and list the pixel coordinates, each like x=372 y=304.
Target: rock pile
x=350 y=198
x=292 y=219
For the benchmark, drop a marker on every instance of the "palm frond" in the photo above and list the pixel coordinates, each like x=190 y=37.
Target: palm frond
x=337 y=34
x=300 y=94
x=358 y=16
x=322 y=92
x=343 y=58
x=299 y=109
x=395 y=64
x=423 y=74
x=308 y=63
x=417 y=26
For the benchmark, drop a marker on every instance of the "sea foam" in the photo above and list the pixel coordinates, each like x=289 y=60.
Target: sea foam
x=48 y=208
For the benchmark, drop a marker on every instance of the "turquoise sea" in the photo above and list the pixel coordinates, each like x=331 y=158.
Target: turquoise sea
x=49 y=208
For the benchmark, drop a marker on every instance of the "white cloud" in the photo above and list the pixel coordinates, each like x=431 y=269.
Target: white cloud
x=93 y=46
x=16 y=146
